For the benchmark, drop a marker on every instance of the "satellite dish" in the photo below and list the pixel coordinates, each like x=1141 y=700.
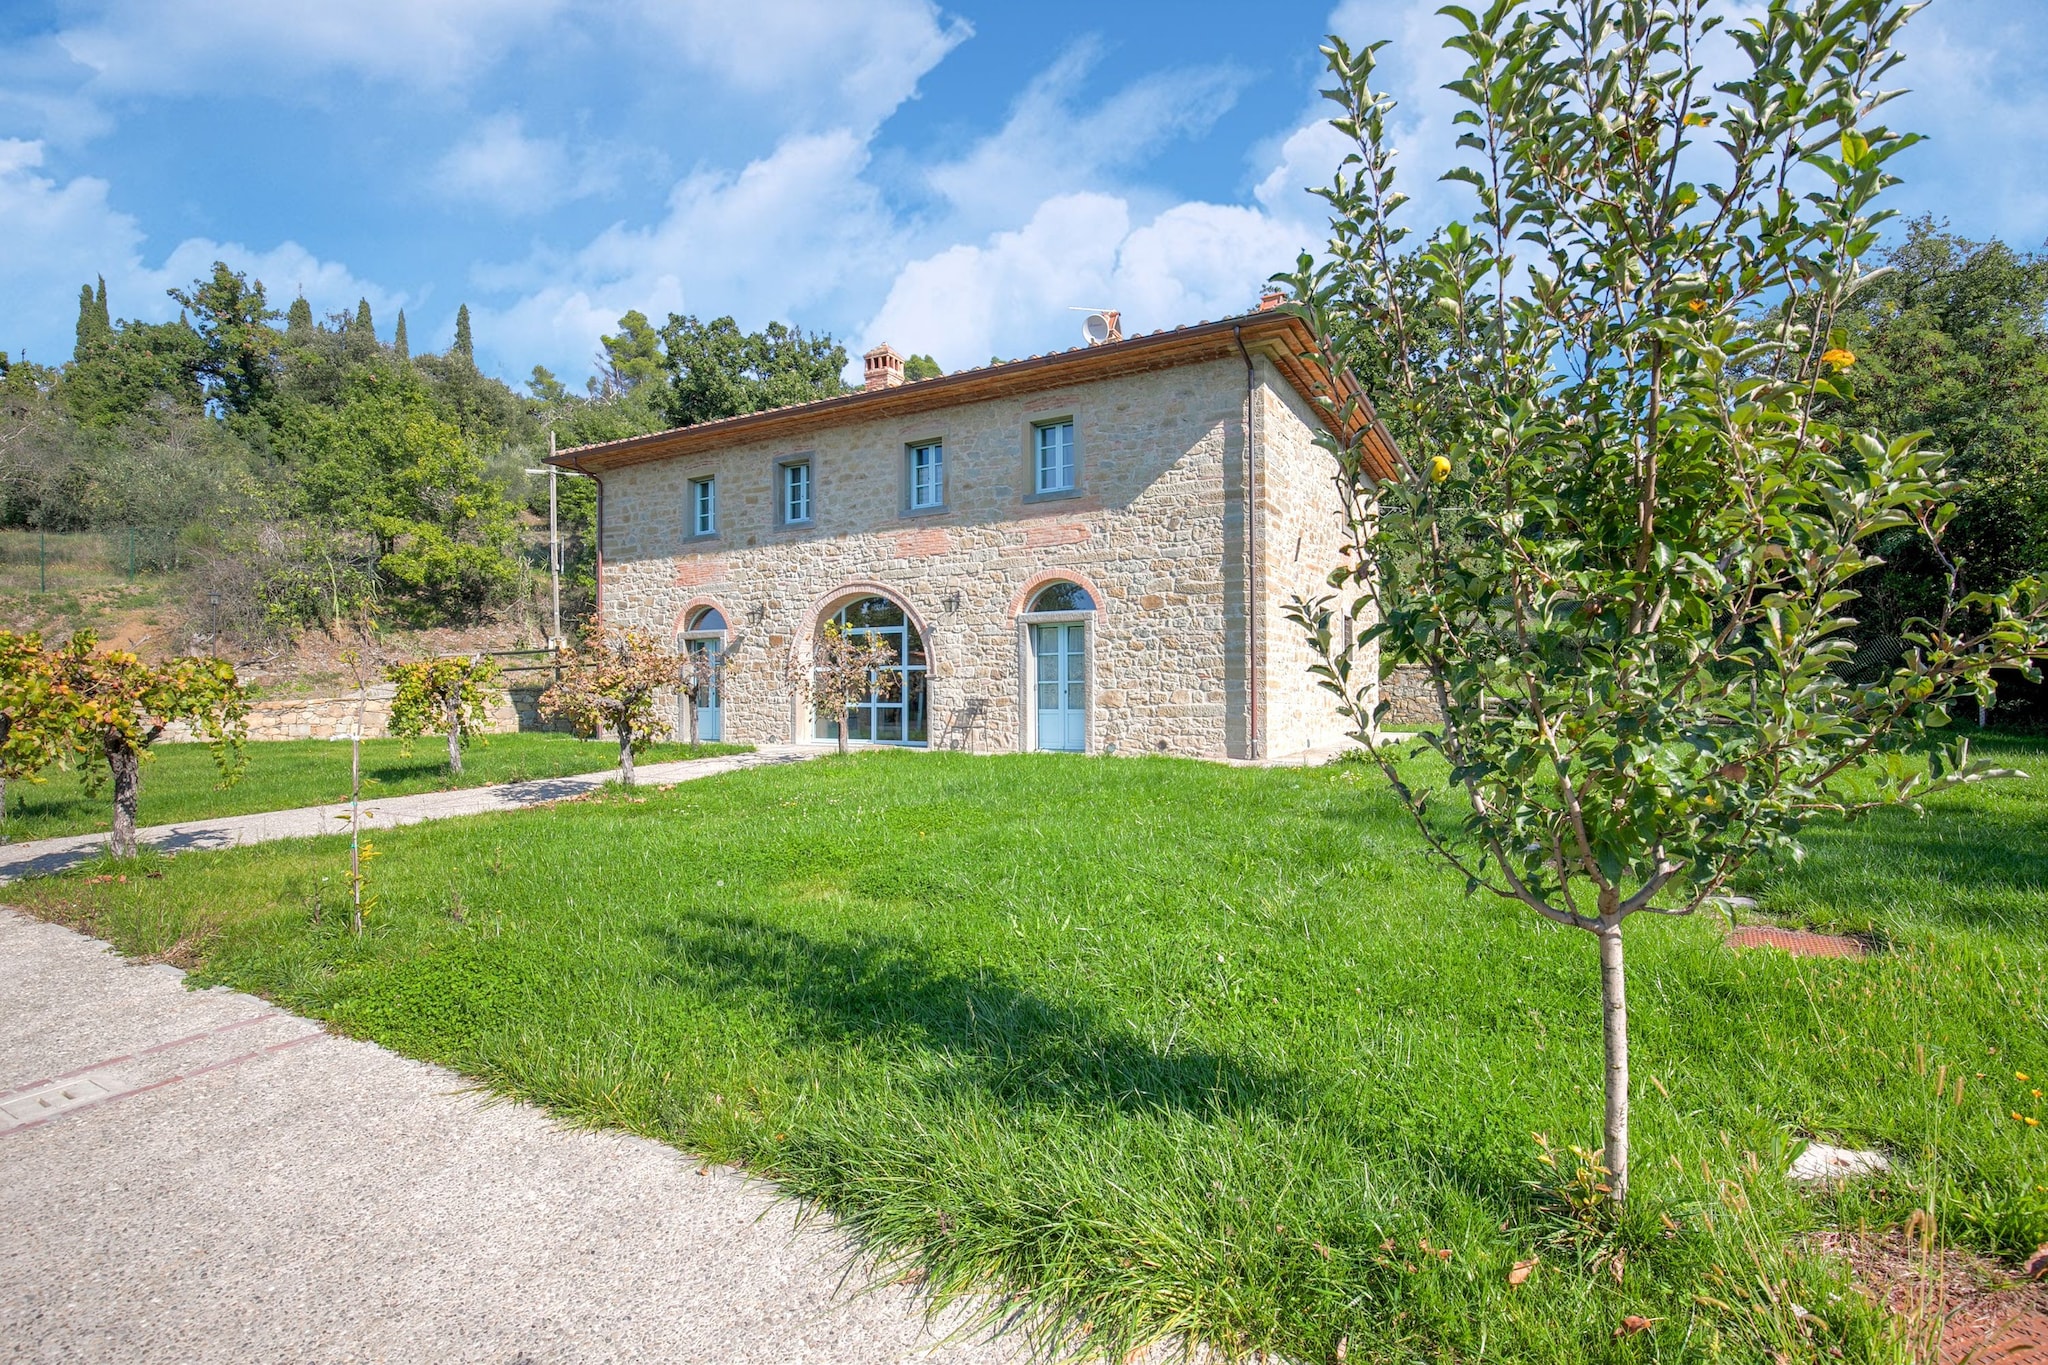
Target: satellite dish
x=1103 y=325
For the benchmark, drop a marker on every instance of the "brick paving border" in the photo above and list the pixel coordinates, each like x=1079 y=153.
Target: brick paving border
x=1798 y=942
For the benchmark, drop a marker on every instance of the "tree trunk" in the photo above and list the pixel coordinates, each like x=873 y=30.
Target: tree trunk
x=845 y=722
x=455 y=736
x=126 y=766
x=1614 y=1017
x=625 y=753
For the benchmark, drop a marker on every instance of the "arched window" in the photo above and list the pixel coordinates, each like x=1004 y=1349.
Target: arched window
x=895 y=714
x=1063 y=597
x=707 y=618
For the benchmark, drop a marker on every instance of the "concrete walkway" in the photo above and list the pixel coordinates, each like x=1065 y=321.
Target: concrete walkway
x=195 y=1176
x=40 y=857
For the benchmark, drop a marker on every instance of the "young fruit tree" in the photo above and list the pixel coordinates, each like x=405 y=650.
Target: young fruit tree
x=37 y=715
x=1600 y=502
x=610 y=684
x=844 y=670
x=451 y=696
x=123 y=705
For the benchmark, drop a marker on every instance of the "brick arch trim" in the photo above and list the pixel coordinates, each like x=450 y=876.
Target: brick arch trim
x=823 y=607
x=1037 y=581
x=692 y=607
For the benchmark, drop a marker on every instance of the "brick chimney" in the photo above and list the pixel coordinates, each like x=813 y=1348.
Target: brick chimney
x=884 y=367
x=1270 y=300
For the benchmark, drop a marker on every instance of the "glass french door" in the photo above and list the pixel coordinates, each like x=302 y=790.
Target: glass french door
x=1062 y=652
x=893 y=712
x=710 y=724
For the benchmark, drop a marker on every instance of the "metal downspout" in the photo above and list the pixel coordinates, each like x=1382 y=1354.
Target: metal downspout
x=1251 y=548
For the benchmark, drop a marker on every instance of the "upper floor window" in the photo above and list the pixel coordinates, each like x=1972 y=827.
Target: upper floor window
x=703 y=507
x=796 y=491
x=1053 y=451
x=927 y=475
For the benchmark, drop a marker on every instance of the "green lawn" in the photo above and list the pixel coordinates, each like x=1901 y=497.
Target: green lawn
x=1168 y=1047
x=180 y=781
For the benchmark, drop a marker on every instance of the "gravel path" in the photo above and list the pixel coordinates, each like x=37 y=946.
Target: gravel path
x=43 y=856
x=196 y=1176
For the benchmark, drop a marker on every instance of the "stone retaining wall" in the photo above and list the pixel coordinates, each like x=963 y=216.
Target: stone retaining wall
x=334 y=717
x=1411 y=700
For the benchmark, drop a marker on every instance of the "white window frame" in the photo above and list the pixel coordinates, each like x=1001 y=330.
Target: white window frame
x=704 y=507
x=927 y=485
x=1071 y=465
x=786 y=476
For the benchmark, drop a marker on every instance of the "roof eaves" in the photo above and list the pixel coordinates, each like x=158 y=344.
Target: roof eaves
x=1299 y=367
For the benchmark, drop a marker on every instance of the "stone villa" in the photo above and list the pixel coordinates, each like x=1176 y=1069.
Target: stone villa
x=1088 y=551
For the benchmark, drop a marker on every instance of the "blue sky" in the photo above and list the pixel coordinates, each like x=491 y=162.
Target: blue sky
x=950 y=179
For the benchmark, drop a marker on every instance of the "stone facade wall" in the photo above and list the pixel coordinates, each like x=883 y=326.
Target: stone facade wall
x=1154 y=531
x=1301 y=532
x=334 y=717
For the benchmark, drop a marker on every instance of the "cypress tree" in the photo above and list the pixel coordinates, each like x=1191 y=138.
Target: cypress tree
x=463 y=347
x=298 y=319
x=95 y=328
x=398 y=341
x=363 y=323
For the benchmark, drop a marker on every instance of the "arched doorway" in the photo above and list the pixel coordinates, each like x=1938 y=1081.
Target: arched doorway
x=1056 y=622
x=894 y=713
x=703 y=644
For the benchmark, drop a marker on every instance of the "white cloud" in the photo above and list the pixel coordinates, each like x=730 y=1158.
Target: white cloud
x=65 y=235
x=153 y=47
x=854 y=63
x=1049 y=146
x=863 y=59
x=1014 y=293
x=499 y=165
x=59 y=237
x=784 y=238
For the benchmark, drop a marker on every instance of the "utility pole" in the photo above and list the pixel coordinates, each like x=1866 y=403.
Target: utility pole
x=554 y=546
x=554 y=542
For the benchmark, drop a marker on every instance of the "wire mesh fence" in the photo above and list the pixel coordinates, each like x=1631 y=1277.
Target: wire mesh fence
x=62 y=561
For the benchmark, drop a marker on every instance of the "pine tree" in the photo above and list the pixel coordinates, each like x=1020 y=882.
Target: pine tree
x=298 y=319
x=398 y=341
x=362 y=322
x=463 y=347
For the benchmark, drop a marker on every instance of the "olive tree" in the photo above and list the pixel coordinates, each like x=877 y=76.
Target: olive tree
x=843 y=670
x=1617 y=529
x=120 y=706
x=451 y=696
x=611 y=684
x=38 y=715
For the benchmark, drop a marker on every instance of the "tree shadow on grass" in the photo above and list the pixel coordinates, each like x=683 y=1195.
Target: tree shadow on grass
x=2002 y=863
x=986 y=1033
x=975 y=1034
